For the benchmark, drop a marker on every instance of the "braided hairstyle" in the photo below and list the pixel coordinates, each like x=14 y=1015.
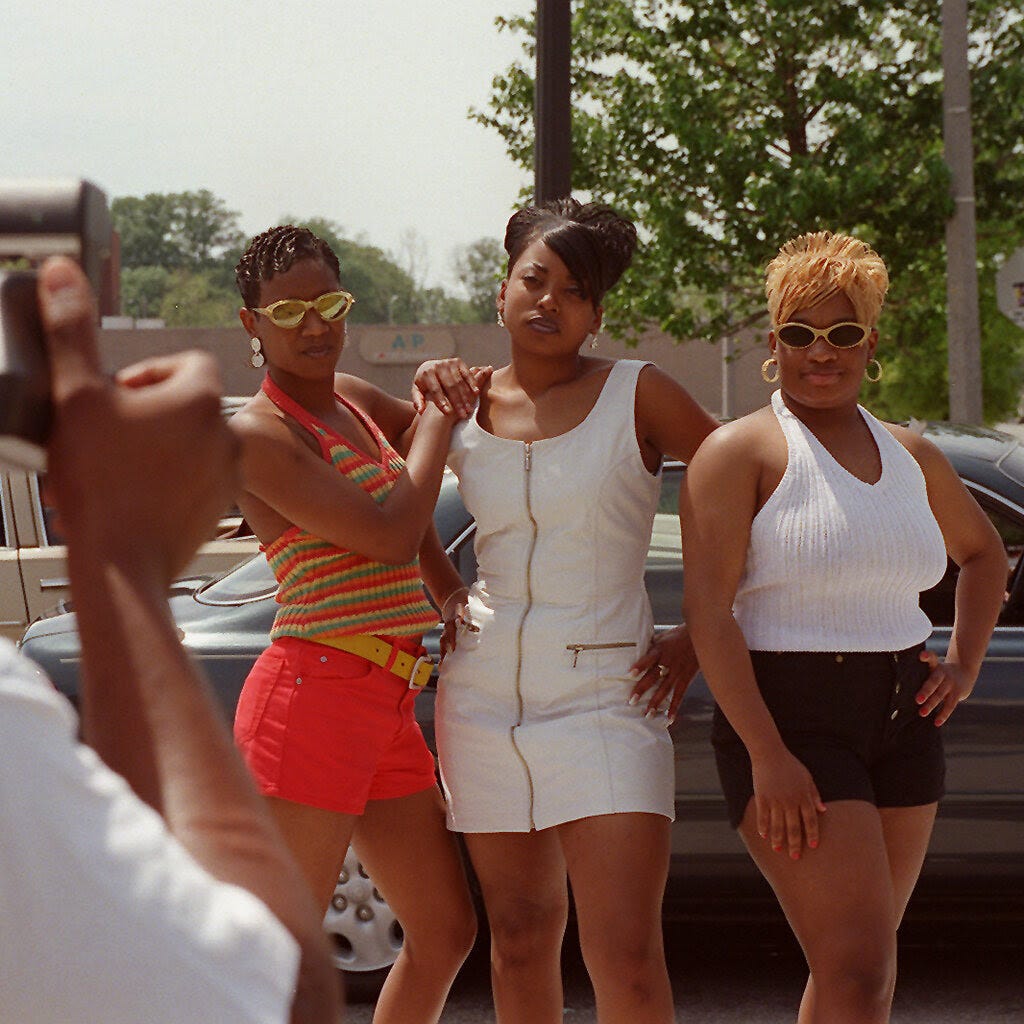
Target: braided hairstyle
x=594 y=242
x=274 y=252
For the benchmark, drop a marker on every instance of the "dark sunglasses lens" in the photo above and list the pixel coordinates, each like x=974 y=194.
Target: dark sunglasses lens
x=288 y=314
x=846 y=335
x=795 y=335
x=333 y=305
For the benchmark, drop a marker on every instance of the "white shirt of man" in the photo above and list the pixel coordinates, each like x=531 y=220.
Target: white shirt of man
x=104 y=916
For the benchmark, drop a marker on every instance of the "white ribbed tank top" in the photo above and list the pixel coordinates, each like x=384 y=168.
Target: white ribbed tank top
x=836 y=564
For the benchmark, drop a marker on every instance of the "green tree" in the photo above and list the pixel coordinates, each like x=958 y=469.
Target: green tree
x=384 y=291
x=429 y=304
x=193 y=230
x=195 y=299
x=205 y=230
x=726 y=128
x=434 y=305
x=178 y=252
x=143 y=290
x=479 y=267
x=144 y=226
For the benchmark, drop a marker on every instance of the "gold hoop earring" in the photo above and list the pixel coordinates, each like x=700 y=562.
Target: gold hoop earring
x=766 y=366
x=878 y=371
x=593 y=341
x=256 y=357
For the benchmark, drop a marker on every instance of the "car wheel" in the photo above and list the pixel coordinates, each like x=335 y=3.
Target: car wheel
x=365 y=935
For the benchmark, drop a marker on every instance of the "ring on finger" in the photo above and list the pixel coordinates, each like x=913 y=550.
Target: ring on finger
x=663 y=670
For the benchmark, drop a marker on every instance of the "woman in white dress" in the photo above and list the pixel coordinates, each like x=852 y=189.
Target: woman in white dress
x=553 y=764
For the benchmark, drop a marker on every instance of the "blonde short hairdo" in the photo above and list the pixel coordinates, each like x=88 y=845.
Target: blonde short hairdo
x=814 y=267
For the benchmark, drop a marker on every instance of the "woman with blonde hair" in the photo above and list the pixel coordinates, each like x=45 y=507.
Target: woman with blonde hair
x=809 y=530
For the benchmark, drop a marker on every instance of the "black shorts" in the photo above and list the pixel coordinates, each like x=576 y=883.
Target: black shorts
x=851 y=719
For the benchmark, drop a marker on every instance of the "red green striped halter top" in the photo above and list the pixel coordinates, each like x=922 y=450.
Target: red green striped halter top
x=327 y=591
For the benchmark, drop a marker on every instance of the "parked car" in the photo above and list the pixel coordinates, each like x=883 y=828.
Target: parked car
x=977 y=852
x=33 y=558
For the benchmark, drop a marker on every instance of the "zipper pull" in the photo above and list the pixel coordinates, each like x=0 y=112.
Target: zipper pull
x=527 y=456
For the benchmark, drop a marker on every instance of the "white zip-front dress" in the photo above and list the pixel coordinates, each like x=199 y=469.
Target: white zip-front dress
x=533 y=723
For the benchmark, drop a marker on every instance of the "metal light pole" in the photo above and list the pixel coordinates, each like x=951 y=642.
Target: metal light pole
x=552 y=110
x=962 y=315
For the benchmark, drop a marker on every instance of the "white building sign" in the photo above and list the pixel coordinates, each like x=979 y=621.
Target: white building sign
x=385 y=343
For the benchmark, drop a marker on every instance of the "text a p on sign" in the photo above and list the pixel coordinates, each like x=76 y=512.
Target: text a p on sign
x=1010 y=287
x=387 y=343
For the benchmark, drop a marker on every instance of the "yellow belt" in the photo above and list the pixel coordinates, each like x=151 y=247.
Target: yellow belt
x=415 y=671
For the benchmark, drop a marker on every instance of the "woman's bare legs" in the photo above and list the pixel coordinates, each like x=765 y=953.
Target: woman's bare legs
x=402 y=843
x=907 y=832
x=318 y=840
x=415 y=863
x=844 y=902
x=523 y=879
x=618 y=865
x=614 y=861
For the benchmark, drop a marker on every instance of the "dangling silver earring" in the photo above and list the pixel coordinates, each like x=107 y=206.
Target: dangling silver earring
x=256 y=357
x=878 y=371
x=501 y=319
x=593 y=341
x=766 y=367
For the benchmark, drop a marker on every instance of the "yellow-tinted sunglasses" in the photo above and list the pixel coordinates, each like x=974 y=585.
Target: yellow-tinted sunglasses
x=289 y=313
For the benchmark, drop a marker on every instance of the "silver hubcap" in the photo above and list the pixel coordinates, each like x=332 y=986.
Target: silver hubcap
x=363 y=929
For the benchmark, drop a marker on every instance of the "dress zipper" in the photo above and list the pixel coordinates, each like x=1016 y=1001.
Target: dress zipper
x=519 y=635
x=577 y=649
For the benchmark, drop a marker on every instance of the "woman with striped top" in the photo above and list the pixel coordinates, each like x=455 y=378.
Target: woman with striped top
x=325 y=720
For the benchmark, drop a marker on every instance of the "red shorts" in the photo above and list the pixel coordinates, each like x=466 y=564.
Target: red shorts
x=327 y=728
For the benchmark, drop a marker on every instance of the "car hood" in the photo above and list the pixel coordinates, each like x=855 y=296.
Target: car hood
x=184 y=610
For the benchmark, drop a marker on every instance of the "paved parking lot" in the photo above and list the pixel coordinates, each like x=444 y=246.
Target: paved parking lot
x=962 y=974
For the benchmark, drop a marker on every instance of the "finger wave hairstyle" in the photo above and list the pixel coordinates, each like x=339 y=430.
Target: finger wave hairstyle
x=594 y=242
x=273 y=252
x=812 y=268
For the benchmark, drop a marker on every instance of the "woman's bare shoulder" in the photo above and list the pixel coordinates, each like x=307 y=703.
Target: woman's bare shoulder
x=356 y=389
x=255 y=414
x=261 y=420
x=742 y=439
x=926 y=452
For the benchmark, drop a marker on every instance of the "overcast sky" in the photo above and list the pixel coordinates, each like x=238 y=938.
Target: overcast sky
x=351 y=111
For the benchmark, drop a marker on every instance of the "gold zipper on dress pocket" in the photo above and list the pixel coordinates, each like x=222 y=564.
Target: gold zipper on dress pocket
x=578 y=648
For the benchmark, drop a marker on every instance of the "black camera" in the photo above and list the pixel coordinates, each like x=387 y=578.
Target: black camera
x=39 y=219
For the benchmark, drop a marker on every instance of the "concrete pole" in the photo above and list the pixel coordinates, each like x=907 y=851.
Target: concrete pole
x=726 y=347
x=728 y=378
x=962 y=316
x=552 y=111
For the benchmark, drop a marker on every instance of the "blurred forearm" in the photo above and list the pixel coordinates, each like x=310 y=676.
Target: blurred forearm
x=152 y=718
